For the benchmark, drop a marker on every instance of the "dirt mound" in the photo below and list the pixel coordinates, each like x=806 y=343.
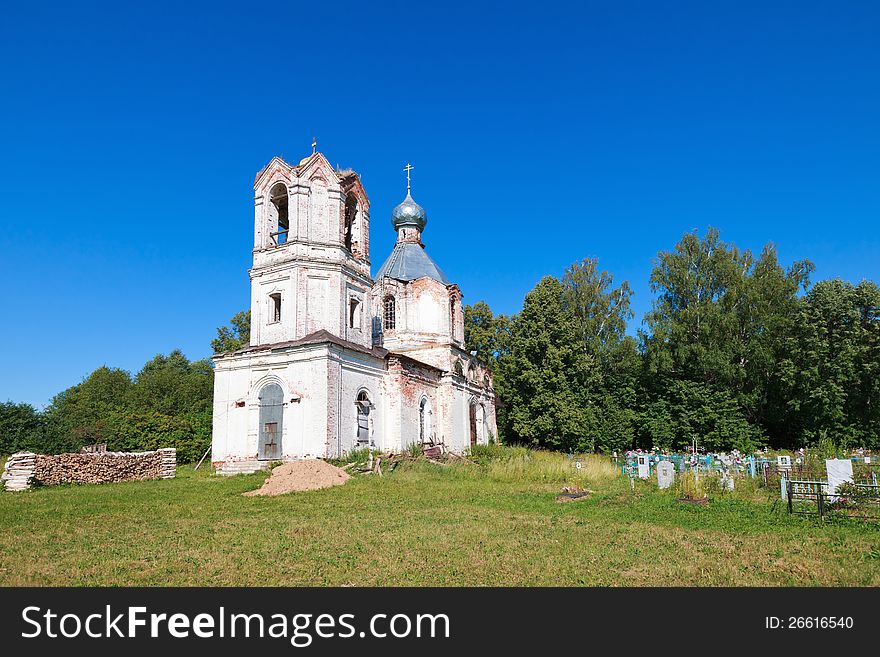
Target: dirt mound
x=310 y=474
x=572 y=493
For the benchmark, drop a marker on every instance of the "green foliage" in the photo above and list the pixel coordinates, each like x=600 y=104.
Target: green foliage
x=361 y=455
x=78 y=416
x=819 y=451
x=684 y=412
x=22 y=427
x=692 y=487
x=546 y=379
x=570 y=378
x=715 y=337
x=732 y=357
x=131 y=431
x=172 y=385
x=830 y=372
x=485 y=454
x=486 y=333
x=168 y=404
x=235 y=336
x=600 y=311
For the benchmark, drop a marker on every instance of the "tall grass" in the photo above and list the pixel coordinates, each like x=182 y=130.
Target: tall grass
x=360 y=455
x=521 y=464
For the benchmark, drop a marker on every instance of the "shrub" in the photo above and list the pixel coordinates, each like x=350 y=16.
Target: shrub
x=135 y=432
x=360 y=455
x=692 y=486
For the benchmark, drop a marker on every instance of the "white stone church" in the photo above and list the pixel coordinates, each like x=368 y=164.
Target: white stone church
x=339 y=360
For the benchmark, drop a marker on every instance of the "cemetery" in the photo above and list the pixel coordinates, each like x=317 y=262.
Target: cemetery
x=807 y=485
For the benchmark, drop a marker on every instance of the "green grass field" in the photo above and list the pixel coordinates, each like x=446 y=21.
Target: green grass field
x=493 y=524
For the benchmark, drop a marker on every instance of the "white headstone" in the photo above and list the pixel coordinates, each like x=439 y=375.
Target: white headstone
x=665 y=474
x=644 y=468
x=783 y=462
x=839 y=472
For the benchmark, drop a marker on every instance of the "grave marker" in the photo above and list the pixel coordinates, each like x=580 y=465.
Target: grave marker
x=839 y=472
x=665 y=474
x=644 y=467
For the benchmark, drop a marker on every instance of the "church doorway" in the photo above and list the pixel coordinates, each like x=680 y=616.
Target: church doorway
x=363 y=417
x=271 y=422
x=426 y=433
x=473 y=419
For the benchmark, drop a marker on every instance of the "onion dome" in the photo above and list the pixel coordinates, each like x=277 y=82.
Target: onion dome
x=409 y=213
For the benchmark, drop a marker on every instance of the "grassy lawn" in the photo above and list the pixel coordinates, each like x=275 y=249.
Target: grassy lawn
x=496 y=524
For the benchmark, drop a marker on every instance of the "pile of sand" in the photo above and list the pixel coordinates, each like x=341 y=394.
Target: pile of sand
x=311 y=474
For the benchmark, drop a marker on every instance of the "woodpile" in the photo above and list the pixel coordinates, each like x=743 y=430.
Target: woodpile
x=25 y=469
x=167 y=462
x=19 y=471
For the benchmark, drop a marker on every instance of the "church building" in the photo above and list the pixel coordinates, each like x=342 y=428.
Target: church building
x=338 y=359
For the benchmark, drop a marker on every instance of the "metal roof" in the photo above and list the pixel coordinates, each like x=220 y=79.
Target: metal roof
x=408 y=262
x=409 y=213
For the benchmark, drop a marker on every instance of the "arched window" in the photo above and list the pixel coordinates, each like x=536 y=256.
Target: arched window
x=350 y=215
x=388 y=314
x=281 y=223
x=363 y=407
x=275 y=307
x=452 y=316
x=458 y=368
x=354 y=320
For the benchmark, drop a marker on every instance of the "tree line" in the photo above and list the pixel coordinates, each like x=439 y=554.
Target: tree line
x=737 y=351
x=166 y=404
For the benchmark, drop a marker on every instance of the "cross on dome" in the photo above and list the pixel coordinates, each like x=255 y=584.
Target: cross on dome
x=409 y=167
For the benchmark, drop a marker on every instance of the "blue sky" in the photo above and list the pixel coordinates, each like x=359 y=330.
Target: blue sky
x=541 y=134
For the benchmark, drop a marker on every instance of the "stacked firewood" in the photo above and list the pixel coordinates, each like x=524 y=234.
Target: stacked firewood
x=24 y=469
x=167 y=462
x=19 y=471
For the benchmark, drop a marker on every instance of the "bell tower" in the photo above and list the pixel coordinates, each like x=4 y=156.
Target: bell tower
x=311 y=267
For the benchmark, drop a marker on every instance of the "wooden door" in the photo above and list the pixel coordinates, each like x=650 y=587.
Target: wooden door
x=271 y=423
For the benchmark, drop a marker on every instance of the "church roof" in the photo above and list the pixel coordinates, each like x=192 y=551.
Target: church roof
x=409 y=261
x=321 y=336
